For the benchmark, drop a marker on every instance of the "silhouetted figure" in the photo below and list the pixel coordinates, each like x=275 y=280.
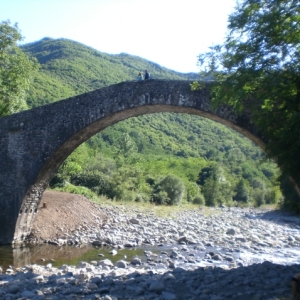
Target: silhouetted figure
x=147 y=76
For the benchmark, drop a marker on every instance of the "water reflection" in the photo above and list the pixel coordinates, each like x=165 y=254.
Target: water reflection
x=70 y=255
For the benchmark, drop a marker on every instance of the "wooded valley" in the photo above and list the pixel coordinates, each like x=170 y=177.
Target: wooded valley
x=171 y=158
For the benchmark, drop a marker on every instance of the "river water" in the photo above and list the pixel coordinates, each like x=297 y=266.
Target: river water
x=71 y=255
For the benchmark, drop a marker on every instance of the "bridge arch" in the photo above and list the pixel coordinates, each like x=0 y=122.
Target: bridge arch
x=34 y=143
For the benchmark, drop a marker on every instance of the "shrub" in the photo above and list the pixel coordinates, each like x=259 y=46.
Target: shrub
x=273 y=195
x=168 y=191
x=192 y=191
x=94 y=180
x=242 y=191
x=258 y=197
x=199 y=199
x=70 y=188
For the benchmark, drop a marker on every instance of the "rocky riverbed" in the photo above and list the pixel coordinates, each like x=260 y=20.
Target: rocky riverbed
x=217 y=253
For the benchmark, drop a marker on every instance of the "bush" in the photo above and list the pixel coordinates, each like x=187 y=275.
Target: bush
x=121 y=192
x=291 y=197
x=70 y=188
x=192 y=191
x=199 y=199
x=168 y=191
x=161 y=197
x=94 y=180
x=242 y=191
x=258 y=197
x=57 y=181
x=142 y=197
x=258 y=183
x=273 y=195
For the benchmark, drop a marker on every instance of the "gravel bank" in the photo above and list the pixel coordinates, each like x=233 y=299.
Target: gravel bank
x=220 y=253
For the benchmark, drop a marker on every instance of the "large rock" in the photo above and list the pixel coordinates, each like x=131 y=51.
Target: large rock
x=121 y=264
x=136 y=261
x=231 y=231
x=13 y=289
x=134 y=221
x=156 y=286
x=182 y=239
x=105 y=263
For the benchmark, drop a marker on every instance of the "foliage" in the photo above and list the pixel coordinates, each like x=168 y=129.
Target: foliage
x=193 y=192
x=16 y=69
x=147 y=158
x=69 y=68
x=128 y=184
x=216 y=184
x=168 y=191
x=71 y=166
x=125 y=149
x=292 y=199
x=199 y=199
x=99 y=163
x=94 y=180
x=258 y=196
x=258 y=68
x=242 y=191
x=69 y=188
x=273 y=195
x=121 y=166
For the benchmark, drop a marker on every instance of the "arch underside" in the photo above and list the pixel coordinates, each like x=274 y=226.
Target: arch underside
x=34 y=194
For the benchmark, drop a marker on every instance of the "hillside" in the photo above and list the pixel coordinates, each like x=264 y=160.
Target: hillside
x=69 y=68
x=163 y=158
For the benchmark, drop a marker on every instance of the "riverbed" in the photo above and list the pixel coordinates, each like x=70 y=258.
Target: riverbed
x=226 y=253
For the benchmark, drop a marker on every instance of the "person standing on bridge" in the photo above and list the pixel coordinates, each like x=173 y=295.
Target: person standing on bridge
x=147 y=75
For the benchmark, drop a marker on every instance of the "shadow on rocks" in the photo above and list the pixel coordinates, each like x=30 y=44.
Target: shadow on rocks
x=256 y=282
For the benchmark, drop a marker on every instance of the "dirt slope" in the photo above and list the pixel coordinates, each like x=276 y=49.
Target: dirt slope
x=64 y=213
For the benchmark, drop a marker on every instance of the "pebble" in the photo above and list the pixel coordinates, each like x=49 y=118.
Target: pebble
x=245 y=254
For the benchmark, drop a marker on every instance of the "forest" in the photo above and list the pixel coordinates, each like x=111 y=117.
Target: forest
x=174 y=158
x=164 y=158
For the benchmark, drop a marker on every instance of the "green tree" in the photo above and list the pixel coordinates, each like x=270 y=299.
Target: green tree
x=169 y=190
x=100 y=163
x=16 y=70
x=93 y=180
x=258 y=197
x=211 y=192
x=258 y=68
x=72 y=166
x=211 y=170
x=242 y=191
x=216 y=188
x=128 y=184
x=125 y=149
x=273 y=195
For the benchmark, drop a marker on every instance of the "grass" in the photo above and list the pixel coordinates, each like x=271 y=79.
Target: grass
x=162 y=211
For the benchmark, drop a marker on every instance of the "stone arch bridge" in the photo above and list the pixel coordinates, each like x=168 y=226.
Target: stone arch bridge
x=34 y=143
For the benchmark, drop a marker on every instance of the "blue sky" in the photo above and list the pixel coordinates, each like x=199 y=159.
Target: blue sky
x=171 y=33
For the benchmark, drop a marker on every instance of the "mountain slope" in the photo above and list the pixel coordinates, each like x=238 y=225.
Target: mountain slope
x=69 y=68
x=125 y=163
